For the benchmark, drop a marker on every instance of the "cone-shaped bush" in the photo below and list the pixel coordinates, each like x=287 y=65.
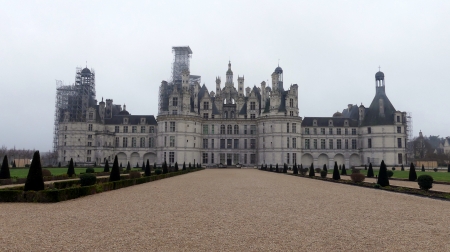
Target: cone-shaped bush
x=147 y=169
x=71 y=170
x=423 y=168
x=176 y=166
x=4 y=170
x=129 y=166
x=120 y=165
x=262 y=167
x=301 y=170
x=295 y=169
x=336 y=175
x=184 y=166
x=59 y=164
x=370 y=171
x=344 y=171
x=412 y=173
x=115 y=172
x=365 y=167
x=448 y=168
x=285 y=168
x=312 y=173
x=340 y=167
x=383 y=179
x=143 y=166
x=35 y=180
x=276 y=168
x=154 y=165
x=325 y=167
x=14 y=164
x=164 y=168
x=189 y=165
x=265 y=167
x=106 y=169
x=403 y=168
x=270 y=167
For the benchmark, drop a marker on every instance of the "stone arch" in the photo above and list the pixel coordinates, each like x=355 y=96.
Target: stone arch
x=122 y=159
x=322 y=159
x=151 y=158
x=339 y=159
x=354 y=160
x=134 y=159
x=307 y=159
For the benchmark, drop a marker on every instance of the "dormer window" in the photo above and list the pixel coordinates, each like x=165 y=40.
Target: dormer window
x=142 y=120
x=175 y=101
x=125 y=120
x=315 y=123
x=346 y=123
x=330 y=123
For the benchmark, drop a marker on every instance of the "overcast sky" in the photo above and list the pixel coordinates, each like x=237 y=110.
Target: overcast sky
x=331 y=49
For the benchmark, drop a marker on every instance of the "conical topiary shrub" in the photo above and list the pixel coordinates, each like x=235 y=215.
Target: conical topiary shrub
x=312 y=173
x=340 y=167
x=383 y=179
x=365 y=167
x=412 y=173
x=115 y=172
x=14 y=164
x=302 y=172
x=147 y=169
x=270 y=167
x=106 y=169
x=143 y=166
x=262 y=167
x=336 y=175
x=4 y=170
x=164 y=168
x=295 y=169
x=71 y=170
x=325 y=167
x=35 y=180
x=276 y=168
x=129 y=166
x=370 y=171
x=402 y=168
x=189 y=165
x=423 y=168
x=285 y=168
x=59 y=164
x=448 y=168
x=176 y=166
x=184 y=166
x=344 y=171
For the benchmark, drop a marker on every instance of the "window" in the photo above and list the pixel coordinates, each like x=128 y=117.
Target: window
x=338 y=131
x=125 y=142
x=222 y=143
x=151 y=142
x=245 y=159
x=205 y=105
x=212 y=143
x=165 y=141
x=252 y=129
x=212 y=116
x=205 y=143
x=315 y=131
x=90 y=127
x=307 y=144
x=291 y=113
x=330 y=131
x=205 y=115
x=399 y=129
x=229 y=143
x=226 y=114
x=164 y=156
x=252 y=158
x=174 y=112
x=205 y=158
x=245 y=129
x=287 y=127
x=346 y=143
x=287 y=142
x=175 y=101
x=252 y=116
x=152 y=129
x=142 y=129
x=172 y=141
x=322 y=131
x=134 y=129
x=212 y=158
x=205 y=129
x=116 y=142
x=165 y=126
x=315 y=143
x=142 y=142
x=398 y=118
x=222 y=129
x=88 y=159
x=133 y=142
x=172 y=126
x=236 y=129
x=307 y=131
x=354 y=144
x=125 y=129
x=252 y=143
x=294 y=143
x=236 y=143
x=399 y=142
x=369 y=143
x=330 y=144
x=252 y=105
x=89 y=152
x=287 y=158
x=346 y=131
x=89 y=143
x=171 y=157
x=322 y=143
x=291 y=103
x=353 y=131
x=116 y=129
x=339 y=144
x=294 y=128
x=222 y=158
x=89 y=136
x=245 y=143
x=229 y=129
x=400 y=158
x=369 y=130
x=91 y=115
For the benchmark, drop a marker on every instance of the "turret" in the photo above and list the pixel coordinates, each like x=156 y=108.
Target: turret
x=362 y=111
x=218 y=86
x=101 y=109
x=108 y=108
x=379 y=82
x=247 y=91
x=229 y=81
x=240 y=86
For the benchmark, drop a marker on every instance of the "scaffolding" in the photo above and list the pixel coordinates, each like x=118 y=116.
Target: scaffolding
x=409 y=138
x=74 y=99
x=181 y=61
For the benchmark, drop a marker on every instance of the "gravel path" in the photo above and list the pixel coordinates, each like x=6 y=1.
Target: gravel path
x=230 y=210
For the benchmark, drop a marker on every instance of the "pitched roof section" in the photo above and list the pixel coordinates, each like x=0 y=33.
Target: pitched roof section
x=324 y=122
x=372 y=116
x=132 y=119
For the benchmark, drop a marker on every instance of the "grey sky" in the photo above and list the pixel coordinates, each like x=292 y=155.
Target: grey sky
x=331 y=49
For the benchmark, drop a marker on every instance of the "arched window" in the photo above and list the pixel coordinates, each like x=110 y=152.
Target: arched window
x=229 y=129
x=236 y=129
x=222 y=129
x=226 y=114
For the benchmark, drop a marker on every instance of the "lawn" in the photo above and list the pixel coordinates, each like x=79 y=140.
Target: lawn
x=23 y=172
x=437 y=176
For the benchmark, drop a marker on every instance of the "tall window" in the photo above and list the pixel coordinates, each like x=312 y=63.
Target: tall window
x=205 y=143
x=399 y=129
x=339 y=144
x=287 y=158
x=175 y=101
x=322 y=143
x=315 y=143
x=338 y=131
x=172 y=141
x=294 y=128
x=322 y=131
x=369 y=130
x=315 y=131
x=152 y=129
x=354 y=144
x=236 y=158
x=171 y=157
x=294 y=143
x=205 y=115
x=330 y=144
x=346 y=131
x=133 y=142
x=307 y=144
x=212 y=143
x=252 y=159
x=142 y=129
x=229 y=143
x=245 y=129
x=400 y=158
x=330 y=131
x=252 y=129
x=294 y=158
x=172 y=126
x=369 y=143
x=212 y=158
x=346 y=143
x=151 y=142
x=252 y=105
x=399 y=142
x=252 y=116
x=125 y=142
x=291 y=113
x=212 y=129
x=165 y=126
x=205 y=105
x=306 y=131
x=117 y=142
x=222 y=158
x=142 y=142
x=91 y=115
x=236 y=143
x=90 y=127
x=229 y=129
x=222 y=143
x=245 y=143
x=134 y=129
x=353 y=131
x=398 y=118
x=287 y=142
x=205 y=129
x=252 y=143
x=222 y=129
x=245 y=159
x=116 y=129
x=287 y=127
x=205 y=158
x=291 y=103
x=125 y=129
x=236 y=129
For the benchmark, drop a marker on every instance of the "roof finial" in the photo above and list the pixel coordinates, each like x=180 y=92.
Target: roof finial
x=278 y=62
x=379 y=68
x=86 y=63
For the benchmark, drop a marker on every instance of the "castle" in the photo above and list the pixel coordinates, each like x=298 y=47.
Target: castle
x=233 y=125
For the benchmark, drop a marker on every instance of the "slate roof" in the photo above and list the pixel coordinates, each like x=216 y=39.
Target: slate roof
x=132 y=119
x=372 y=114
x=323 y=122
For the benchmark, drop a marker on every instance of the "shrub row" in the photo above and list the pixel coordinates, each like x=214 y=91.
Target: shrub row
x=70 y=191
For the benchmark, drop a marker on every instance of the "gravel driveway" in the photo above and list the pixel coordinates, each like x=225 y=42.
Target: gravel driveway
x=230 y=210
